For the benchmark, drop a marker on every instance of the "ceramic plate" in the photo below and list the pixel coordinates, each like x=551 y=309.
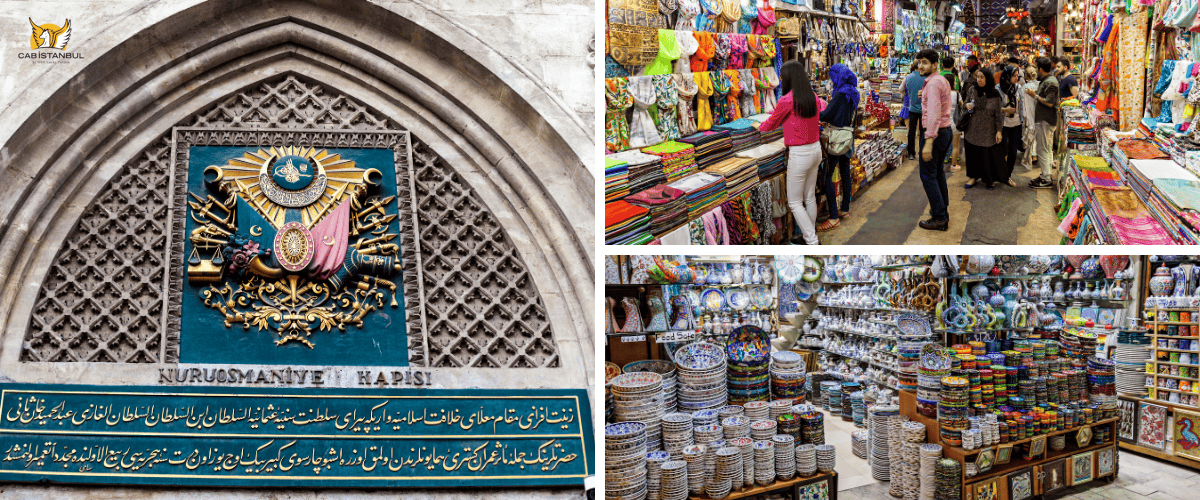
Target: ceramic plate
x=760 y=296
x=789 y=268
x=812 y=269
x=738 y=298
x=713 y=299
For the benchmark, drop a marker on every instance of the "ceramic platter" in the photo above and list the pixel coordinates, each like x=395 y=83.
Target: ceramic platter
x=913 y=325
x=738 y=298
x=813 y=267
x=805 y=290
x=713 y=299
x=789 y=268
x=760 y=297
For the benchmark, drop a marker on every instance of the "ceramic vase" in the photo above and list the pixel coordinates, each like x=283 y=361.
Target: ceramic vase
x=1162 y=284
x=1113 y=264
x=1091 y=268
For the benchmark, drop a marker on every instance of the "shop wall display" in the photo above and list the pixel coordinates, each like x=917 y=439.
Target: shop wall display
x=1127 y=428
x=1152 y=424
x=815 y=491
x=1003 y=454
x=1020 y=484
x=1105 y=465
x=1184 y=430
x=987 y=490
x=1054 y=476
x=1081 y=468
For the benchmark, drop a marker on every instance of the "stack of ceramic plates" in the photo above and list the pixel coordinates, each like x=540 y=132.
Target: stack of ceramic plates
x=879 y=455
x=705 y=417
x=764 y=462
x=710 y=464
x=729 y=471
x=1101 y=376
x=972 y=439
x=727 y=411
x=625 y=461
x=707 y=434
x=608 y=403
x=826 y=458
x=858 y=443
x=896 y=455
x=638 y=397
x=779 y=407
x=827 y=387
x=788 y=423
x=910 y=452
x=669 y=383
x=762 y=429
x=787 y=375
x=1058 y=442
x=677 y=432
x=694 y=455
x=858 y=409
x=930 y=454
x=757 y=410
x=674 y=480
x=1130 y=365
x=849 y=388
x=953 y=408
x=812 y=428
x=736 y=427
x=749 y=361
x=701 y=377
x=806 y=460
x=745 y=445
x=785 y=456
x=949 y=480
x=654 y=461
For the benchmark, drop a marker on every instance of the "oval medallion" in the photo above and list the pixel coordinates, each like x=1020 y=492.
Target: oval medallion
x=294 y=246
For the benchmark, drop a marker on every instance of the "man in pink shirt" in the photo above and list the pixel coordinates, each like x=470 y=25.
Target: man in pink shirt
x=935 y=141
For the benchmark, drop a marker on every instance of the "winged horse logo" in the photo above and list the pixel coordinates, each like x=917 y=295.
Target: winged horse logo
x=49 y=36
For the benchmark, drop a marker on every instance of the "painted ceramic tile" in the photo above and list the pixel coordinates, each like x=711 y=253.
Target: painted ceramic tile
x=815 y=491
x=1020 y=485
x=1003 y=454
x=639 y=268
x=1152 y=423
x=988 y=490
x=1104 y=462
x=1127 y=426
x=612 y=273
x=1187 y=425
x=1081 y=468
x=1054 y=476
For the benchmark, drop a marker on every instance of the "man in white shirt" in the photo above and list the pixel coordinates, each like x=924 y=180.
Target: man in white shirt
x=1028 y=105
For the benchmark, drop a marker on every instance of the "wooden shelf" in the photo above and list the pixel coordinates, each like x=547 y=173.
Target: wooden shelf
x=1020 y=462
x=1186 y=462
x=1168 y=390
x=1175 y=350
x=1173 y=363
x=1170 y=376
x=777 y=486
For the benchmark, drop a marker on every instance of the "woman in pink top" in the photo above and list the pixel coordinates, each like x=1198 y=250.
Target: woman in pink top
x=802 y=136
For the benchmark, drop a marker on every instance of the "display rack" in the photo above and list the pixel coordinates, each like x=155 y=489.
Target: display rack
x=795 y=485
x=1156 y=326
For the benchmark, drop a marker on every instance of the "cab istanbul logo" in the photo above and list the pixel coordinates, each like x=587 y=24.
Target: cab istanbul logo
x=49 y=36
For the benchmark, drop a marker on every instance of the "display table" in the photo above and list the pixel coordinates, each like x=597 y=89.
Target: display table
x=1041 y=464
x=826 y=480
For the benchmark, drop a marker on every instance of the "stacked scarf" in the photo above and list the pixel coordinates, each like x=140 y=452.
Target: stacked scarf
x=704 y=52
x=642 y=131
x=687 y=47
x=704 y=85
x=668 y=101
x=616 y=128
x=688 y=10
x=686 y=88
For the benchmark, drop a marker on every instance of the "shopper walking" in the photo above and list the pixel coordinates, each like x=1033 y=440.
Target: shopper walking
x=912 y=89
x=1028 y=105
x=935 y=140
x=951 y=75
x=1045 y=117
x=796 y=112
x=843 y=106
x=1010 y=80
x=983 y=135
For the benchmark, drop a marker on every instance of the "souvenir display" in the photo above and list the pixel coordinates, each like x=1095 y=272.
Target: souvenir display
x=1054 y=476
x=1081 y=468
x=1184 y=431
x=1152 y=426
x=1020 y=484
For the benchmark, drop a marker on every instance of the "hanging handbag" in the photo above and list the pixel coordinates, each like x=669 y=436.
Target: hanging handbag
x=838 y=140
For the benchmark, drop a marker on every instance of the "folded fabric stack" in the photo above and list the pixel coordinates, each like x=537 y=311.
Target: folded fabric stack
x=702 y=191
x=765 y=137
x=741 y=174
x=743 y=134
x=645 y=170
x=711 y=146
x=770 y=158
x=667 y=205
x=1117 y=214
x=1080 y=134
x=678 y=158
x=1169 y=191
x=626 y=224
x=616 y=179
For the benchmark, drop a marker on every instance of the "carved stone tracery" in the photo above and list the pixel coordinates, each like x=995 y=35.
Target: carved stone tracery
x=103 y=298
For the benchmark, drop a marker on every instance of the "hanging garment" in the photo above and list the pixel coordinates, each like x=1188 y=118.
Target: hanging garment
x=749 y=92
x=749 y=15
x=754 y=52
x=1105 y=92
x=686 y=88
x=706 y=49
x=737 y=51
x=720 y=60
x=642 y=131
x=731 y=11
x=668 y=112
x=766 y=19
x=688 y=10
x=616 y=128
x=709 y=11
x=733 y=108
x=687 y=47
x=633 y=31
x=668 y=51
x=720 y=97
x=704 y=92
x=771 y=97
x=668 y=7
x=613 y=69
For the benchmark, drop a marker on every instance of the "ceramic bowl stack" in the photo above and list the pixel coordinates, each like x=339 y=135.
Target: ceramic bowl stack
x=707 y=434
x=1130 y=365
x=930 y=454
x=638 y=397
x=896 y=455
x=736 y=427
x=827 y=387
x=757 y=410
x=826 y=458
x=701 y=377
x=654 y=461
x=859 y=408
x=914 y=437
x=669 y=374
x=745 y=446
x=948 y=485
x=812 y=428
x=806 y=460
x=1058 y=442
x=764 y=462
x=762 y=429
x=678 y=433
x=787 y=375
x=625 y=461
x=694 y=456
x=727 y=411
x=878 y=446
x=706 y=417
x=729 y=471
x=674 y=480
x=785 y=456
x=788 y=423
x=779 y=407
x=849 y=388
x=1101 y=374
x=608 y=403
x=749 y=359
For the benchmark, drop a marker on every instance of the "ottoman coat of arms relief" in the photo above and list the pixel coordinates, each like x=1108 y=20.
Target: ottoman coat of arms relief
x=293 y=241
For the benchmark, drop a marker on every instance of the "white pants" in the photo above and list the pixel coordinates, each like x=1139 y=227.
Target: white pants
x=1044 y=137
x=802 y=188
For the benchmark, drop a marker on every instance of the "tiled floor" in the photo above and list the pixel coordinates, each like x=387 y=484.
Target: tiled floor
x=1138 y=477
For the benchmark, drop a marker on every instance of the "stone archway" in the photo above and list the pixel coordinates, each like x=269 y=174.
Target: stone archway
x=475 y=111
